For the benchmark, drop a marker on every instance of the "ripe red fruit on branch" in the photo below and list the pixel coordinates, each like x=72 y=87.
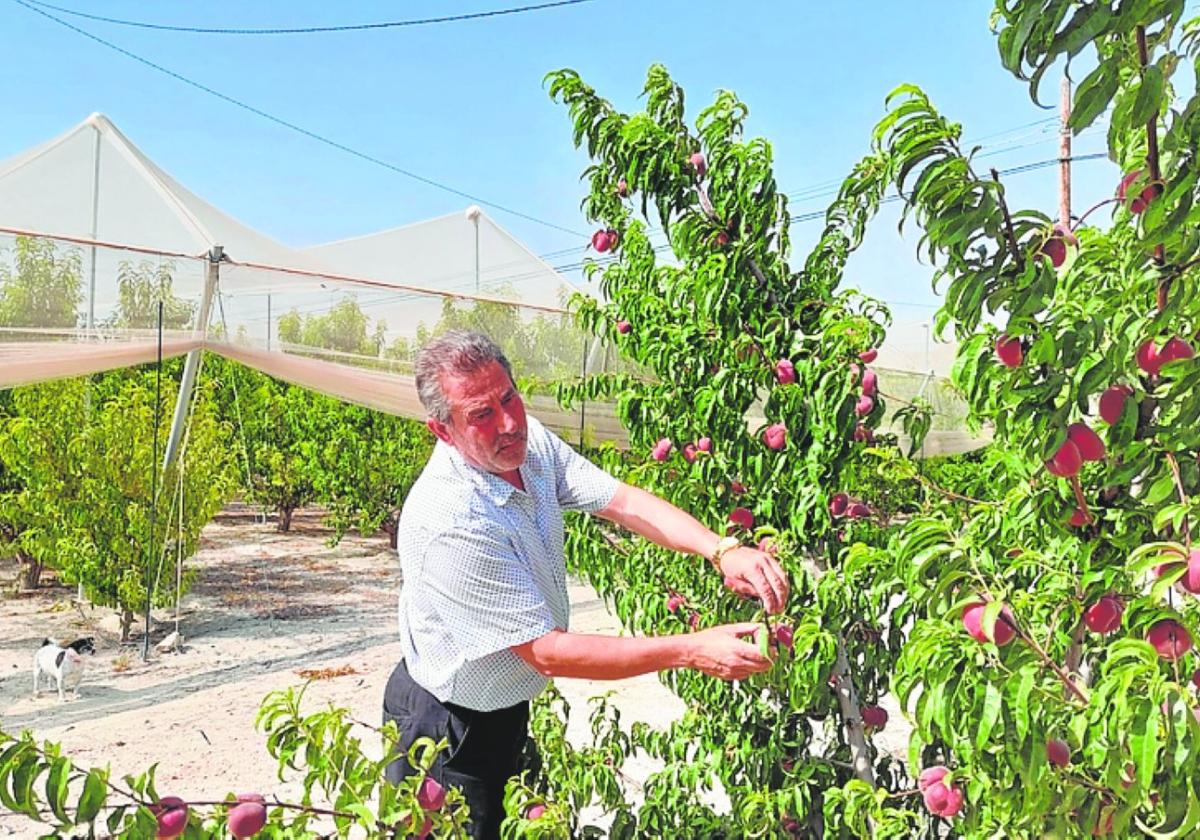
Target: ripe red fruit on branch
x=1078 y=518
x=742 y=518
x=1055 y=250
x=535 y=811
x=737 y=488
x=1174 y=350
x=1058 y=753
x=1170 y=638
x=838 y=504
x=704 y=444
x=868 y=356
x=1104 y=616
x=623 y=327
x=601 y=241
x=1112 y=403
x=1090 y=447
x=942 y=799
x=1009 y=351
x=972 y=619
x=931 y=775
x=1191 y=578
x=784 y=635
x=785 y=371
x=699 y=164
x=247 y=819
x=775 y=436
x=689 y=452
x=675 y=601
x=623 y=188
x=858 y=511
x=662 y=449
x=864 y=406
x=863 y=434
x=1143 y=199
x=875 y=717
x=431 y=796
x=171 y=812
x=870 y=384
x=1147 y=358
x=1066 y=461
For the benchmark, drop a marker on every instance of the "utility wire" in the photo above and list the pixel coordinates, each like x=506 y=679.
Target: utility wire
x=309 y=30
x=320 y=138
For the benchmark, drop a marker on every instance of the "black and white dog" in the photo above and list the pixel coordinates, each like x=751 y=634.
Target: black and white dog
x=63 y=664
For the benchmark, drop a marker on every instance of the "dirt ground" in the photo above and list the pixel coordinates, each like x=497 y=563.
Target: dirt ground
x=265 y=608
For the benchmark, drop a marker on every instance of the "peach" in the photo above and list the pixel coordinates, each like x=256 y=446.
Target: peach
x=698 y=163
x=247 y=819
x=972 y=619
x=675 y=601
x=1066 y=461
x=662 y=450
x=1078 y=518
x=1139 y=204
x=623 y=188
x=1104 y=616
x=784 y=635
x=601 y=241
x=1112 y=403
x=1174 y=350
x=875 y=717
x=704 y=444
x=930 y=776
x=1009 y=351
x=171 y=813
x=864 y=406
x=870 y=383
x=775 y=436
x=868 y=356
x=1090 y=447
x=838 y=504
x=785 y=371
x=689 y=452
x=623 y=327
x=1058 y=753
x=742 y=518
x=1147 y=358
x=1169 y=638
x=431 y=796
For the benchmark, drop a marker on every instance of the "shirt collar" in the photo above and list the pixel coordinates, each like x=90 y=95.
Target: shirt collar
x=489 y=484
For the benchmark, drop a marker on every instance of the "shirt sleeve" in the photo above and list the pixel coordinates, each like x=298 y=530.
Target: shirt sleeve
x=484 y=592
x=581 y=485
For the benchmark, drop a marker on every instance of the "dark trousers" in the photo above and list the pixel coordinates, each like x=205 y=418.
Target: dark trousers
x=485 y=747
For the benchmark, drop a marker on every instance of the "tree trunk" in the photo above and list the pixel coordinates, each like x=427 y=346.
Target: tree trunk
x=126 y=623
x=32 y=570
x=391 y=527
x=285 y=519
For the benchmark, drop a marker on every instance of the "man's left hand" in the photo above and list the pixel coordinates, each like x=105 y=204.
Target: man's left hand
x=756 y=574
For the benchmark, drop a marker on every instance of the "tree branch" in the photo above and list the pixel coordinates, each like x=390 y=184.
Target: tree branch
x=1008 y=224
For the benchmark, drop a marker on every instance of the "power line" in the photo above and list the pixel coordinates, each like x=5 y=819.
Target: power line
x=296 y=128
x=309 y=30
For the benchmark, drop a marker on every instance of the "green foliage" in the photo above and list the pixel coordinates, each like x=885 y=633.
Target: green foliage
x=42 y=287
x=344 y=329
x=140 y=288
x=342 y=785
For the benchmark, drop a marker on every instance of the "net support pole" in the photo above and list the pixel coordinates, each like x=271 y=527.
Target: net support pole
x=192 y=366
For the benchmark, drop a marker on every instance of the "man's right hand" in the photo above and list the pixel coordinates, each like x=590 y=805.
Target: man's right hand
x=727 y=651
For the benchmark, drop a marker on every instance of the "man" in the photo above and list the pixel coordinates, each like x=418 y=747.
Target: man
x=483 y=607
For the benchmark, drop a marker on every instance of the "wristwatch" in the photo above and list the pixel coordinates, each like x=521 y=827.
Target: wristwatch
x=724 y=546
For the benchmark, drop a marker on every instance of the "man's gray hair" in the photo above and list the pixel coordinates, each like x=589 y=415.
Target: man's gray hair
x=457 y=352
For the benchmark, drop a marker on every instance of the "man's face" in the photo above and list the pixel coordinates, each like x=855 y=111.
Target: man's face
x=487 y=418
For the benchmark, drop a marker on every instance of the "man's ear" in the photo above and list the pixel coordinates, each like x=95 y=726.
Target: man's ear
x=440 y=430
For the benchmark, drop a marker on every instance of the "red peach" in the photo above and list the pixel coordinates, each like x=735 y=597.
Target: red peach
x=863 y=434
x=1058 y=753
x=1175 y=349
x=784 y=635
x=623 y=188
x=1104 y=616
x=1055 y=250
x=171 y=812
x=1009 y=351
x=431 y=796
x=775 y=436
x=698 y=163
x=693 y=620
x=623 y=327
x=704 y=444
x=1191 y=578
x=689 y=452
x=247 y=819
x=1003 y=631
x=742 y=518
x=601 y=241
x=662 y=450
x=870 y=383
x=675 y=601
x=1078 y=518
x=1142 y=201
x=864 y=406
x=1090 y=447
x=858 y=510
x=875 y=717
x=1169 y=638
x=1147 y=358
x=868 y=356
x=838 y=503
x=737 y=488
x=785 y=371
x=1066 y=461
x=1112 y=403
x=1196 y=678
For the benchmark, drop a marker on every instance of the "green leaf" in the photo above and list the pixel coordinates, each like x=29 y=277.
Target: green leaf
x=92 y=800
x=1149 y=96
x=992 y=703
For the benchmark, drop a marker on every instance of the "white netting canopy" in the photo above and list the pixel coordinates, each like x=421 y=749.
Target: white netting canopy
x=93 y=235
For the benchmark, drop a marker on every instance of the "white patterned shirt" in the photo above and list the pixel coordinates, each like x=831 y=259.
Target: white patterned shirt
x=483 y=568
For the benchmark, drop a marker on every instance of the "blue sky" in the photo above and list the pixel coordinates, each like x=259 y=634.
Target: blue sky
x=463 y=103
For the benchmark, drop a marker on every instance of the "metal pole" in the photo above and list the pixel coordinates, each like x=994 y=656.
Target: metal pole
x=192 y=367
x=91 y=311
x=473 y=213
x=268 y=323
x=1064 y=157
x=151 y=552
